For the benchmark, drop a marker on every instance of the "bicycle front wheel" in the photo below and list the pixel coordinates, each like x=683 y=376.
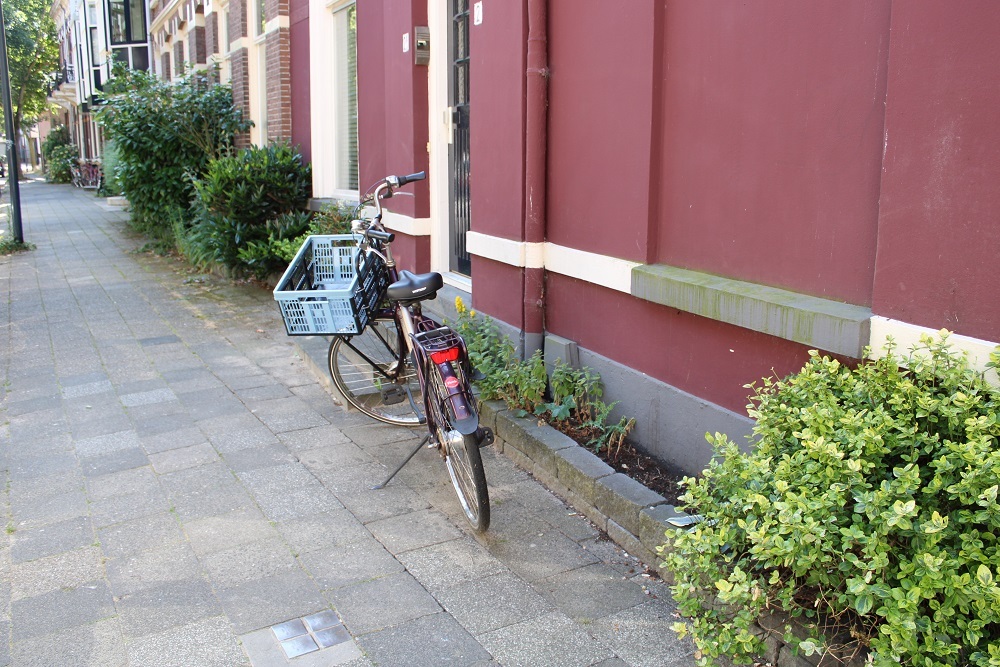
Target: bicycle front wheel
x=373 y=376
x=462 y=457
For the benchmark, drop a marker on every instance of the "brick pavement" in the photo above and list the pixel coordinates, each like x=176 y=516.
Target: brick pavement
x=179 y=489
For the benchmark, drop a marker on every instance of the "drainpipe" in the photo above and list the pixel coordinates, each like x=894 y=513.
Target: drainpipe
x=536 y=119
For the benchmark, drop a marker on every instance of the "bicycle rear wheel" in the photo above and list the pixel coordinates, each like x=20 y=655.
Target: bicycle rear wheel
x=462 y=457
x=371 y=376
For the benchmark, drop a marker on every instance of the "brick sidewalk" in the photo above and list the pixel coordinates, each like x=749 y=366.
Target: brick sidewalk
x=181 y=490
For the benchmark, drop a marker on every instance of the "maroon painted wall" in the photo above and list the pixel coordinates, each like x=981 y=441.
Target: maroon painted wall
x=939 y=222
x=298 y=38
x=601 y=111
x=392 y=112
x=496 y=95
x=772 y=143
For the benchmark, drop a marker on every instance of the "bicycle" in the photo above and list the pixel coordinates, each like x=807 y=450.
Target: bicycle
x=388 y=359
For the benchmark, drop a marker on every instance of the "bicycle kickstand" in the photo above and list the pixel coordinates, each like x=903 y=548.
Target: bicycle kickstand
x=407 y=460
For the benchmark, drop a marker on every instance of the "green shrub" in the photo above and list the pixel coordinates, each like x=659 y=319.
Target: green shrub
x=867 y=509
x=247 y=200
x=57 y=136
x=62 y=158
x=165 y=135
x=111 y=187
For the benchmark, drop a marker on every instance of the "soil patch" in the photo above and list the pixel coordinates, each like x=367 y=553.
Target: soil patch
x=646 y=470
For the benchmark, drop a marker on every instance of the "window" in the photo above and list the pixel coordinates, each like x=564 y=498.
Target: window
x=128 y=21
x=261 y=22
x=347 y=116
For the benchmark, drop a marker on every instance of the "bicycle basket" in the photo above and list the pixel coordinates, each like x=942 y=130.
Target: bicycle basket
x=330 y=287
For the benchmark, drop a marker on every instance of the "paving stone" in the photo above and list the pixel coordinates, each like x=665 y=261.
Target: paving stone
x=218 y=533
x=376 y=435
x=636 y=635
x=31 y=543
x=150 y=610
x=313 y=438
x=245 y=460
x=60 y=609
x=152 y=569
x=281 y=415
x=208 y=642
x=123 y=459
x=185 y=457
x=237 y=431
x=320 y=531
x=324 y=458
x=120 y=483
x=436 y=639
x=105 y=444
x=484 y=604
x=287 y=491
x=49 y=509
x=67 y=570
x=551 y=639
x=248 y=562
x=348 y=564
x=207 y=490
x=450 y=563
x=98 y=644
x=382 y=603
x=541 y=555
x=591 y=592
x=412 y=531
x=264 y=602
x=176 y=439
x=144 y=534
x=118 y=508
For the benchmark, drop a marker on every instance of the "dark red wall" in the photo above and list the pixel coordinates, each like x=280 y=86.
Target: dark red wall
x=939 y=222
x=601 y=110
x=298 y=38
x=772 y=143
x=496 y=95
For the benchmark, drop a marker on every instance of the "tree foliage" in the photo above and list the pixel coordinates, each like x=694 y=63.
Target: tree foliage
x=32 y=58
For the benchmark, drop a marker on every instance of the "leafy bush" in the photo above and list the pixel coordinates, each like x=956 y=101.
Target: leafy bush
x=62 y=158
x=57 y=136
x=165 y=135
x=246 y=199
x=111 y=187
x=575 y=408
x=867 y=509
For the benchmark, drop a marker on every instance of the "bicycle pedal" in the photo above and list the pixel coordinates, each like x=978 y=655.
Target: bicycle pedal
x=486 y=437
x=393 y=395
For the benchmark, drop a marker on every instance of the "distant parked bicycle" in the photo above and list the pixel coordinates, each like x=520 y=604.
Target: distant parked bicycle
x=86 y=174
x=387 y=358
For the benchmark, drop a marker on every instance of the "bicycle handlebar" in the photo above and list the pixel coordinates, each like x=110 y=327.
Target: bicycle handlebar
x=396 y=181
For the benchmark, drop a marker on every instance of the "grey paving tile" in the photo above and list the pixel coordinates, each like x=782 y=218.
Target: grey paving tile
x=249 y=562
x=123 y=459
x=436 y=639
x=28 y=467
x=121 y=482
x=551 y=639
x=105 y=444
x=592 y=592
x=237 y=431
x=118 y=508
x=152 y=569
x=450 y=563
x=42 y=510
x=353 y=487
x=382 y=603
x=147 y=397
x=414 y=530
x=98 y=644
x=540 y=555
x=151 y=610
x=182 y=458
x=287 y=491
x=490 y=603
x=374 y=435
x=287 y=414
x=218 y=533
x=319 y=531
x=138 y=535
x=210 y=403
x=31 y=543
x=155 y=443
x=267 y=456
x=208 y=642
x=60 y=609
x=328 y=457
x=350 y=563
x=265 y=602
x=637 y=636
x=207 y=490
x=67 y=570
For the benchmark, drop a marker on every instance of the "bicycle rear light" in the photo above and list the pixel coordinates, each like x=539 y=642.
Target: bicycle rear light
x=451 y=354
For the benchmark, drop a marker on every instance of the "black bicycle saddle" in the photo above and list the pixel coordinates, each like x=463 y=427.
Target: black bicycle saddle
x=415 y=287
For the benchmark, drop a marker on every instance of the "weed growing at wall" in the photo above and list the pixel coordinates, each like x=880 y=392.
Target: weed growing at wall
x=867 y=509
x=574 y=406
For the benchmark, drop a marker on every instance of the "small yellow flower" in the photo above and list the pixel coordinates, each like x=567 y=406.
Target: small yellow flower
x=459 y=305
x=472 y=313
